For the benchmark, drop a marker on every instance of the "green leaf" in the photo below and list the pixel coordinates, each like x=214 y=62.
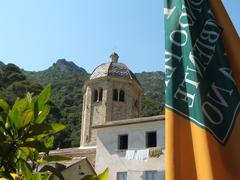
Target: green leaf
x=4 y=105
x=26 y=152
x=48 y=142
x=25 y=169
x=41 y=176
x=56 y=127
x=36 y=176
x=14 y=114
x=36 y=145
x=29 y=97
x=42 y=115
x=2 y=121
x=20 y=115
x=53 y=170
x=46 y=176
x=35 y=108
x=25 y=119
x=40 y=129
x=44 y=97
x=20 y=104
x=104 y=175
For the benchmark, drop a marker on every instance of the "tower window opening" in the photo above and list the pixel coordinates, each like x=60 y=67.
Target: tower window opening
x=115 y=95
x=121 y=96
x=95 y=96
x=100 y=94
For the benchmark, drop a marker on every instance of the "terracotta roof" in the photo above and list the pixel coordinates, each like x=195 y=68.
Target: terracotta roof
x=131 y=121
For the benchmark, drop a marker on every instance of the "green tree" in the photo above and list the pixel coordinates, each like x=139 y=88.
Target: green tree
x=24 y=134
x=152 y=107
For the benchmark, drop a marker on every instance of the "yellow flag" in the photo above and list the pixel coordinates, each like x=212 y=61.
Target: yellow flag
x=202 y=61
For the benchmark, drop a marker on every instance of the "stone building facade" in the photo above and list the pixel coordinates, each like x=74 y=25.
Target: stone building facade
x=112 y=133
x=113 y=151
x=111 y=93
x=132 y=147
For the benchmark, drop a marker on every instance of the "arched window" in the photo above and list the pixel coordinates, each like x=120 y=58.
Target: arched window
x=100 y=94
x=115 y=95
x=95 y=98
x=121 y=95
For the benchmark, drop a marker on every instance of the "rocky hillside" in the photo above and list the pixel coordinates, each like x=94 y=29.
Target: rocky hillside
x=153 y=83
x=153 y=94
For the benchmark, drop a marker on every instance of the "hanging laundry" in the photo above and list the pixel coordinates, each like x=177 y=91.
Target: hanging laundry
x=142 y=154
x=129 y=154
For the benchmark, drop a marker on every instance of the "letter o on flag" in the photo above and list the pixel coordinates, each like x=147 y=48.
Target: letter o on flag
x=206 y=107
x=176 y=33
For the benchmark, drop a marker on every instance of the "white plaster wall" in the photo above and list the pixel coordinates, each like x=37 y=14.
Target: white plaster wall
x=108 y=155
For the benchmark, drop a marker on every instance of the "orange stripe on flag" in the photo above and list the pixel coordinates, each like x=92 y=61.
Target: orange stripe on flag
x=193 y=153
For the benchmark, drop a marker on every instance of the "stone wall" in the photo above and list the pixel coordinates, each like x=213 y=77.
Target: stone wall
x=100 y=112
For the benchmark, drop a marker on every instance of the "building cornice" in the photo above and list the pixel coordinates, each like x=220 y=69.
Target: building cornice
x=131 y=121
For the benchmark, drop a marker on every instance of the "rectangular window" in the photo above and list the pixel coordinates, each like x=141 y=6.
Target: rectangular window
x=151 y=139
x=95 y=99
x=115 y=95
x=100 y=94
x=121 y=175
x=151 y=175
x=121 y=96
x=123 y=141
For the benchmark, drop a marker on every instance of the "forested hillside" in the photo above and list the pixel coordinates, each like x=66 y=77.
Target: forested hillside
x=67 y=80
x=13 y=83
x=153 y=94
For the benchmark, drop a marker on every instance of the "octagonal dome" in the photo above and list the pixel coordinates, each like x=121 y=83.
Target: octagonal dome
x=113 y=69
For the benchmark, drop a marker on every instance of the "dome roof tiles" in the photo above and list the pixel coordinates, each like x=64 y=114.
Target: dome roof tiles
x=113 y=69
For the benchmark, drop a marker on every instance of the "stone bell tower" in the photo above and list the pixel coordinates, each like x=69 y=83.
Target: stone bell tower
x=112 y=93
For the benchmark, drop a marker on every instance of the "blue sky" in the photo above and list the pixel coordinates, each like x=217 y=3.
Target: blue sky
x=34 y=34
